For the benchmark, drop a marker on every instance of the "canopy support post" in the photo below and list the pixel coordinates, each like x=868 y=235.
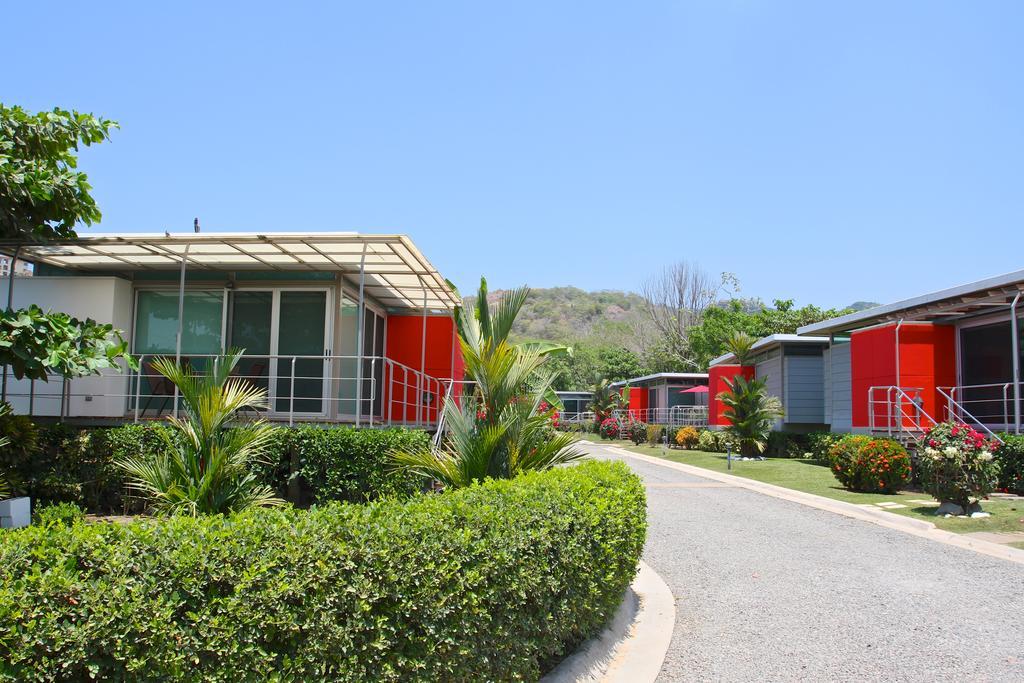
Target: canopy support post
x=423 y=363
x=362 y=332
x=1015 y=345
x=181 y=321
x=10 y=305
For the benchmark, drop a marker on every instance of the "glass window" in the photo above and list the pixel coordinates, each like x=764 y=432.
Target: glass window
x=156 y=322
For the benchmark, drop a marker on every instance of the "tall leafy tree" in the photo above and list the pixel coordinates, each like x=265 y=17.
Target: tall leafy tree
x=43 y=195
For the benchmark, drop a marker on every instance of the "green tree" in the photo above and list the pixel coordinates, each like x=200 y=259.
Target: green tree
x=502 y=428
x=205 y=466
x=750 y=412
x=35 y=343
x=42 y=192
x=708 y=339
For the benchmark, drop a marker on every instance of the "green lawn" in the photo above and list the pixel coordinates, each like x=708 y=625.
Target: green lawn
x=812 y=477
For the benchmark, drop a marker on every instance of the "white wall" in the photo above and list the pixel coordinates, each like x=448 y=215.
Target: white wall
x=104 y=299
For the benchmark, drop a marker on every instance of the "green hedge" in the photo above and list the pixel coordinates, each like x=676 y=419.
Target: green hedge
x=492 y=582
x=1010 y=457
x=308 y=464
x=312 y=464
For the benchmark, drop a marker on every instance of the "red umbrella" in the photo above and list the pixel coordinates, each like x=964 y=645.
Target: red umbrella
x=702 y=389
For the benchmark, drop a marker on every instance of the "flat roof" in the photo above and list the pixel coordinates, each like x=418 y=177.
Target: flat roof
x=943 y=305
x=397 y=273
x=662 y=375
x=772 y=340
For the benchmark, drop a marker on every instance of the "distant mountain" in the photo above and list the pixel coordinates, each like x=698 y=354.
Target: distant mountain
x=863 y=305
x=569 y=314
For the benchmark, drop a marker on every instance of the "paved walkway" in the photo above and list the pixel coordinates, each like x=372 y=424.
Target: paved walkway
x=770 y=590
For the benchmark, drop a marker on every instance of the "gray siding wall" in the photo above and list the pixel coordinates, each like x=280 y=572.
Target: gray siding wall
x=826 y=358
x=840 y=388
x=804 y=389
x=770 y=370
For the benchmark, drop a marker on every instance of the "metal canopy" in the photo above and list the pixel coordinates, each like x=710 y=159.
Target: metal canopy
x=396 y=274
x=989 y=295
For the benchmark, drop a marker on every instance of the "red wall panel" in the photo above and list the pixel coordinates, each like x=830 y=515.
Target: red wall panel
x=717 y=375
x=927 y=359
x=637 y=401
x=405 y=346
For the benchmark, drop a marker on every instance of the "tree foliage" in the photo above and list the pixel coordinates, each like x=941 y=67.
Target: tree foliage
x=709 y=338
x=42 y=193
x=35 y=343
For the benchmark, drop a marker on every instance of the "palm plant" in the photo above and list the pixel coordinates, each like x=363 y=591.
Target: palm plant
x=499 y=430
x=604 y=399
x=205 y=465
x=740 y=345
x=750 y=412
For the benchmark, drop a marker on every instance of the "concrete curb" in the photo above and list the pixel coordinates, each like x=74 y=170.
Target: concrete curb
x=889 y=520
x=632 y=647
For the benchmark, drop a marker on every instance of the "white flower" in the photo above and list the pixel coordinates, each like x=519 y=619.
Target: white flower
x=951 y=451
x=931 y=452
x=984 y=456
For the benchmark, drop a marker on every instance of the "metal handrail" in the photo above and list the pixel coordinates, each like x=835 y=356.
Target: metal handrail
x=676 y=416
x=961 y=389
x=895 y=398
x=963 y=411
x=386 y=400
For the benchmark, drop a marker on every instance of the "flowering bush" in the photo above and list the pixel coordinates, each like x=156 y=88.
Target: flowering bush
x=610 y=428
x=958 y=464
x=654 y=434
x=636 y=431
x=862 y=463
x=687 y=437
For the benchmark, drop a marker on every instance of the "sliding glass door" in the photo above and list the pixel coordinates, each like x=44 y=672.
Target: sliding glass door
x=302 y=334
x=284 y=333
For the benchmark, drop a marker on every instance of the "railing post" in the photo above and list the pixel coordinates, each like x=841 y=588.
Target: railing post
x=31 y=397
x=373 y=387
x=138 y=387
x=291 y=396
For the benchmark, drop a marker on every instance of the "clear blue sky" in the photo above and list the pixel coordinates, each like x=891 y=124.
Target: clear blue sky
x=822 y=151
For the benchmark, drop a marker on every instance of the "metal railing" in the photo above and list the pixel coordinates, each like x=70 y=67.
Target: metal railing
x=304 y=388
x=676 y=416
x=898 y=411
x=954 y=410
x=988 y=405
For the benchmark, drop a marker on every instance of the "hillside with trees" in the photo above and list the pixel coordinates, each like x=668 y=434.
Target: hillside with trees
x=616 y=335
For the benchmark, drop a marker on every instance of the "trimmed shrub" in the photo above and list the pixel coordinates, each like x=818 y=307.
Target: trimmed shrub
x=313 y=464
x=610 y=428
x=819 y=444
x=58 y=513
x=869 y=465
x=714 y=441
x=636 y=431
x=655 y=433
x=491 y=582
x=708 y=441
x=307 y=464
x=1010 y=457
x=687 y=437
x=958 y=464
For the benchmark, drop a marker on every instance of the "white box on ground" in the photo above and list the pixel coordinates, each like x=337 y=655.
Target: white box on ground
x=15 y=512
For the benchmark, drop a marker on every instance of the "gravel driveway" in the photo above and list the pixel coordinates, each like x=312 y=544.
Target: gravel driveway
x=769 y=590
